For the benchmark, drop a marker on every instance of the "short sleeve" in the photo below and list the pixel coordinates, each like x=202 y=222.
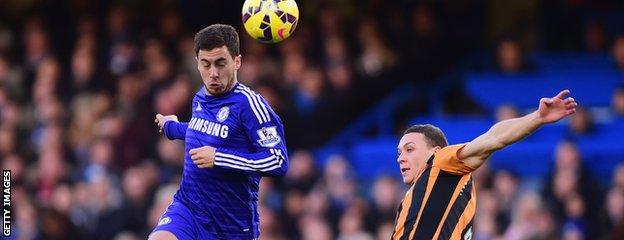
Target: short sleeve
x=446 y=159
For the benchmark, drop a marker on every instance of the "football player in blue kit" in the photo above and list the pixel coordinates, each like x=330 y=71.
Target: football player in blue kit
x=232 y=140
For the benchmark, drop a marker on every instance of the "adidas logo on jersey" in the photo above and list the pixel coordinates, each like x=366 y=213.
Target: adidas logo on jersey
x=163 y=221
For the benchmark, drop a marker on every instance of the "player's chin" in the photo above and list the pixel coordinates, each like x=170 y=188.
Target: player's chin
x=407 y=179
x=216 y=91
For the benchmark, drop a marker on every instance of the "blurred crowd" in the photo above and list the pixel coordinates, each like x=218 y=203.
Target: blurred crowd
x=80 y=83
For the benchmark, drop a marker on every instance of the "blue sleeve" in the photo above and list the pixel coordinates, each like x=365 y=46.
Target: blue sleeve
x=175 y=130
x=266 y=132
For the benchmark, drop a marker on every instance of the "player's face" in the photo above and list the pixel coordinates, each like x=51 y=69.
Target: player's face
x=413 y=153
x=217 y=68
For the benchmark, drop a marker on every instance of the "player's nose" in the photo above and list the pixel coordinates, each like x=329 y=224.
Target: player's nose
x=213 y=72
x=400 y=159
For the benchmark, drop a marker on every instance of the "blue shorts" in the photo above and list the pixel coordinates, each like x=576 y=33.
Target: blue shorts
x=179 y=220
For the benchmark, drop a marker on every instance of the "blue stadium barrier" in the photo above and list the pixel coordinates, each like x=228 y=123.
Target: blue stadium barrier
x=546 y=62
x=458 y=129
x=372 y=158
x=589 y=89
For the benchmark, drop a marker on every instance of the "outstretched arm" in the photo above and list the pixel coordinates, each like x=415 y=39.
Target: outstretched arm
x=507 y=132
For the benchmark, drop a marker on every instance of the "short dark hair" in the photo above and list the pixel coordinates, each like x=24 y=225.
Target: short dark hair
x=215 y=36
x=433 y=135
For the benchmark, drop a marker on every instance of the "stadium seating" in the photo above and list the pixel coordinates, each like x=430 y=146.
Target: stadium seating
x=590 y=88
x=590 y=78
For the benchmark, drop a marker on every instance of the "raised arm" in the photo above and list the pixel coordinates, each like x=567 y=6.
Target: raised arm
x=507 y=132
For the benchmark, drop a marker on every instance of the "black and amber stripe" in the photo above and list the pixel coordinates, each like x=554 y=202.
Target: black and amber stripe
x=440 y=205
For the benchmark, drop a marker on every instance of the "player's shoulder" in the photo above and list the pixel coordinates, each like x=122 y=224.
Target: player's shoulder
x=248 y=96
x=253 y=103
x=449 y=151
x=447 y=159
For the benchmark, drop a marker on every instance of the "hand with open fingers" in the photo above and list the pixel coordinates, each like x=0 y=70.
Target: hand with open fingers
x=203 y=157
x=555 y=108
x=161 y=119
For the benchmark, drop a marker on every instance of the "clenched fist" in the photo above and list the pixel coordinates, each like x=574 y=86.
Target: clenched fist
x=160 y=120
x=203 y=157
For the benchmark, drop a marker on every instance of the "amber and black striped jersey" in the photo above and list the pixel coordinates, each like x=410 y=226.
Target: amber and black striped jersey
x=441 y=203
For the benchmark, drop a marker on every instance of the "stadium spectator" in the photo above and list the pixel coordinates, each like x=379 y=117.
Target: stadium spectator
x=351 y=225
x=118 y=23
x=137 y=184
x=293 y=210
x=595 y=37
x=510 y=57
x=37 y=45
x=486 y=217
x=570 y=179
x=614 y=208
x=618 y=52
x=506 y=111
x=618 y=177
x=17 y=166
x=310 y=91
x=575 y=223
x=386 y=192
x=11 y=78
x=384 y=231
x=26 y=215
x=7 y=140
x=6 y=37
x=302 y=174
x=581 y=124
x=293 y=69
x=422 y=43
x=315 y=228
x=376 y=58
x=505 y=185
x=84 y=77
x=169 y=154
x=123 y=57
x=270 y=224
x=525 y=216
x=617 y=102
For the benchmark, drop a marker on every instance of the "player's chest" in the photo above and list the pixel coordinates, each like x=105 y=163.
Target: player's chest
x=215 y=123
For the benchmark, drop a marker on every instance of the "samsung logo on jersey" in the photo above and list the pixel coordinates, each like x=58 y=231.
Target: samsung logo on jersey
x=208 y=127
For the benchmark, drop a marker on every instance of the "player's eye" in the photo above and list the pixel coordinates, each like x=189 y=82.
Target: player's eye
x=409 y=149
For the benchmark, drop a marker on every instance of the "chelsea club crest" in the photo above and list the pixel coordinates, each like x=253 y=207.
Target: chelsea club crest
x=223 y=113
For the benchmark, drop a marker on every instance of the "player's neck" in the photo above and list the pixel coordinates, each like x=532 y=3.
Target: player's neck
x=232 y=86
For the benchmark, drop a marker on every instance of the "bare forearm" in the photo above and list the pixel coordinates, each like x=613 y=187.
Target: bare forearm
x=509 y=131
x=502 y=134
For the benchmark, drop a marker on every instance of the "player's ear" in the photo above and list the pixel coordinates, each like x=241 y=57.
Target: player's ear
x=436 y=148
x=237 y=62
x=198 y=65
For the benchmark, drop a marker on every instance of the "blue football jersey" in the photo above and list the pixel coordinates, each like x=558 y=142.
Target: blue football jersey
x=249 y=138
